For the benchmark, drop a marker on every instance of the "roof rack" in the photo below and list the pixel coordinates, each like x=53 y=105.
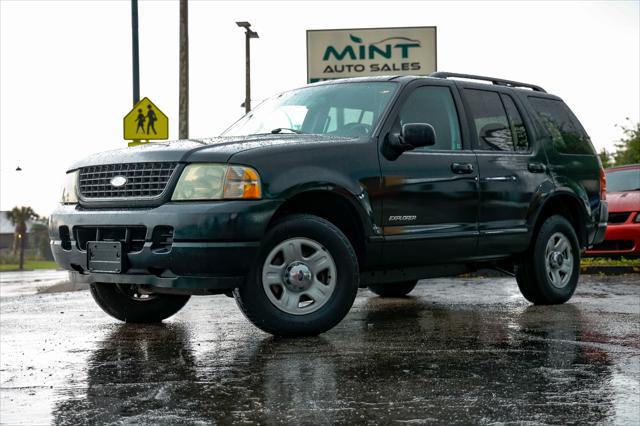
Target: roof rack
x=496 y=81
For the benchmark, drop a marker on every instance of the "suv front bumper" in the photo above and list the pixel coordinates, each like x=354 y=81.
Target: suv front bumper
x=212 y=244
x=621 y=239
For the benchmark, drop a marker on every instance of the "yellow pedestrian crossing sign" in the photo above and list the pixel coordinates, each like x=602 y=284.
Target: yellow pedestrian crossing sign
x=146 y=122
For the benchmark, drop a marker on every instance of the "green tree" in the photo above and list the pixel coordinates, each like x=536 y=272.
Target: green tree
x=628 y=148
x=19 y=216
x=605 y=158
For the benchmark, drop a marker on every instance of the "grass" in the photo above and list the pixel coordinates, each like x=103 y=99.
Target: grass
x=30 y=265
x=605 y=261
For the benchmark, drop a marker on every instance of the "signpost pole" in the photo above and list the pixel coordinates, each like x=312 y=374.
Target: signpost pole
x=183 y=101
x=134 y=51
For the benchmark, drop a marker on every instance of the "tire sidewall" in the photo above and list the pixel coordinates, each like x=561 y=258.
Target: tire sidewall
x=263 y=313
x=399 y=289
x=120 y=306
x=549 y=292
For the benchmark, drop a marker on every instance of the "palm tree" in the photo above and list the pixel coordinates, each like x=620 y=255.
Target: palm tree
x=19 y=216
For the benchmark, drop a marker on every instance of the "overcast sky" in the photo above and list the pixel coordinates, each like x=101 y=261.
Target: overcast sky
x=65 y=67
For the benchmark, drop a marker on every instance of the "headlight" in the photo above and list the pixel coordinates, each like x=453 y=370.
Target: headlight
x=69 y=191
x=217 y=182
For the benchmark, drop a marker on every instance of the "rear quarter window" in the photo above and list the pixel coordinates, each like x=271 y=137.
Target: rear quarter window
x=566 y=132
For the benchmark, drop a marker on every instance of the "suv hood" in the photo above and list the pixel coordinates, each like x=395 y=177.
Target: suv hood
x=218 y=149
x=620 y=202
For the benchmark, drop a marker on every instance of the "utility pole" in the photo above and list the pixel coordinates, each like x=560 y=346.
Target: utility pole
x=249 y=34
x=135 y=51
x=184 y=71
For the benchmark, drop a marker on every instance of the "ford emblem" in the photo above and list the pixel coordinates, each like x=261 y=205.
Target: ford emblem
x=118 y=181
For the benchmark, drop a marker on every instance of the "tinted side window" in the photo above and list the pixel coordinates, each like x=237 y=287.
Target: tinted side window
x=434 y=105
x=490 y=120
x=567 y=135
x=519 y=132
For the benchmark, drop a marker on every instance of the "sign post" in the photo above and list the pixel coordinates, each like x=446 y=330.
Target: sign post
x=135 y=57
x=145 y=122
x=364 y=52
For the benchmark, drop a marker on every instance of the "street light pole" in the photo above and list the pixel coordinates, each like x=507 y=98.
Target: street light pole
x=247 y=75
x=249 y=34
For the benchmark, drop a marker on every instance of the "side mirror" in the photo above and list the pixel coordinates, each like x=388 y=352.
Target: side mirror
x=418 y=134
x=411 y=136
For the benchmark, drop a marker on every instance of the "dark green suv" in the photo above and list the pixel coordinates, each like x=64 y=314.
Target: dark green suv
x=371 y=182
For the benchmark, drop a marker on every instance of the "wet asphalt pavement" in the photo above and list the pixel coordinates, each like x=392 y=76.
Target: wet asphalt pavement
x=457 y=351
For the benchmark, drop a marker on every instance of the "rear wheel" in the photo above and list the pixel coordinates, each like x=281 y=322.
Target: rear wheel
x=131 y=303
x=305 y=279
x=550 y=273
x=398 y=289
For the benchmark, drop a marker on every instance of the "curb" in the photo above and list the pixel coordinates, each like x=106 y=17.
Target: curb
x=610 y=270
x=62 y=286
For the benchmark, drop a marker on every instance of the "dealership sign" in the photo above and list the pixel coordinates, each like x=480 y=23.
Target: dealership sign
x=370 y=51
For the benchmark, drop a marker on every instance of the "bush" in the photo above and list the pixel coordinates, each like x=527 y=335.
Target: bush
x=8 y=258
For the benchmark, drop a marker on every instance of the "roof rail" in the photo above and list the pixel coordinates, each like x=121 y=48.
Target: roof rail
x=496 y=81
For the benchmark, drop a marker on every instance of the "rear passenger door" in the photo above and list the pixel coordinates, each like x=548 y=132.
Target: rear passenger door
x=511 y=168
x=429 y=194
x=573 y=162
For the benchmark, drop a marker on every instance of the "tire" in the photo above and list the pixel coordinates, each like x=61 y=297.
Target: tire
x=304 y=281
x=128 y=304
x=398 y=289
x=549 y=274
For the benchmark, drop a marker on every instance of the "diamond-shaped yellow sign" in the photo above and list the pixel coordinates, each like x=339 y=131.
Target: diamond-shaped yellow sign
x=146 y=122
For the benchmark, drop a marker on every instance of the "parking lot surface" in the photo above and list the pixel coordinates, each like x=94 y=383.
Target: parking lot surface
x=465 y=350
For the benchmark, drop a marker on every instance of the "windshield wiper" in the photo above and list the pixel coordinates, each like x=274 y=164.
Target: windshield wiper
x=281 y=129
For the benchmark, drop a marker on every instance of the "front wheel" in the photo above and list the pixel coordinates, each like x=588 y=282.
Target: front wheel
x=549 y=275
x=393 y=289
x=130 y=303
x=305 y=279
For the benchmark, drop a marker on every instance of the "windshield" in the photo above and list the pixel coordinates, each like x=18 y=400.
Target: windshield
x=623 y=180
x=343 y=109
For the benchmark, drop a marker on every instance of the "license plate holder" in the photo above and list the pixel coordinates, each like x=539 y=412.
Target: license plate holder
x=105 y=256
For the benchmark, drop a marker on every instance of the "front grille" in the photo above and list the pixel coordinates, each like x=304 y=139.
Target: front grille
x=143 y=180
x=615 y=218
x=132 y=237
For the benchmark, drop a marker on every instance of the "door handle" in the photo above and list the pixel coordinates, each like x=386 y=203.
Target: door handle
x=462 y=168
x=536 y=167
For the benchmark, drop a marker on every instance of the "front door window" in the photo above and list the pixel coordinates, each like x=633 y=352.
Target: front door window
x=433 y=105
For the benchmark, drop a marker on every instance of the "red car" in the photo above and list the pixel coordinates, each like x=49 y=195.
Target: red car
x=623 y=228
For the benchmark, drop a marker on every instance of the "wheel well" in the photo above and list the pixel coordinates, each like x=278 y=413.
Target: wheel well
x=332 y=207
x=570 y=209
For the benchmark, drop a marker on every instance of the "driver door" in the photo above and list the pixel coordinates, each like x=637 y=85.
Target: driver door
x=430 y=194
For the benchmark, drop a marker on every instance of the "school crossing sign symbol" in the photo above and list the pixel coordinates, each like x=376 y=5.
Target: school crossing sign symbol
x=145 y=122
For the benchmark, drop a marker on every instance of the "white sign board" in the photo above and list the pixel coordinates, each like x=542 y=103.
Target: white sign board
x=370 y=51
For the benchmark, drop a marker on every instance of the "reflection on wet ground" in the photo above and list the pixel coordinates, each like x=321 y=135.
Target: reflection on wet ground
x=459 y=351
